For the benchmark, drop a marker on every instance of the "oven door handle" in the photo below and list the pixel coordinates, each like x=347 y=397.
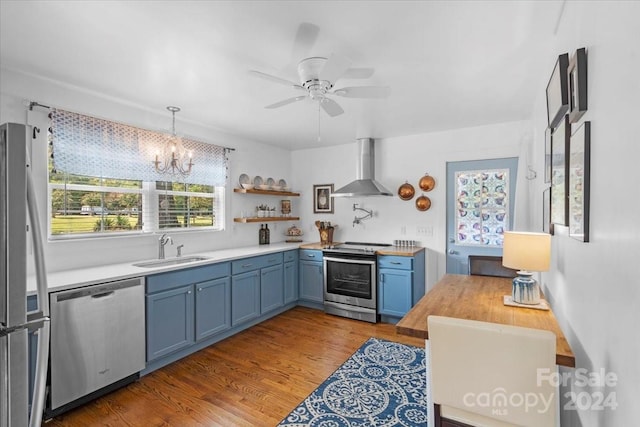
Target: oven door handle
x=350 y=261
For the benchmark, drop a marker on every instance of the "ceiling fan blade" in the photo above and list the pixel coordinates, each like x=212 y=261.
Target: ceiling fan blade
x=275 y=79
x=306 y=37
x=363 y=92
x=358 y=73
x=331 y=107
x=334 y=68
x=286 y=101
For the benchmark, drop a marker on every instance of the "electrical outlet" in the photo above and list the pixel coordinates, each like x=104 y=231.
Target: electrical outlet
x=425 y=231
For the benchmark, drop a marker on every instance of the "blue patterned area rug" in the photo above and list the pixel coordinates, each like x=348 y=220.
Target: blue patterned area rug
x=382 y=384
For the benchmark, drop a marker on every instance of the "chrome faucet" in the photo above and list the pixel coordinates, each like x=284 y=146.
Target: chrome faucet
x=164 y=239
x=179 y=250
x=359 y=219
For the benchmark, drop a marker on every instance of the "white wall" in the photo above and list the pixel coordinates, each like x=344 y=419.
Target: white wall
x=594 y=287
x=250 y=157
x=398 y=160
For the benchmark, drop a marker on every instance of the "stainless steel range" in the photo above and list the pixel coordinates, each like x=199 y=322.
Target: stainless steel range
x=350 y=280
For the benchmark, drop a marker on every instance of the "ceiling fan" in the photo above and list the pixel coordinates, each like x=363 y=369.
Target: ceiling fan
x=318 y=75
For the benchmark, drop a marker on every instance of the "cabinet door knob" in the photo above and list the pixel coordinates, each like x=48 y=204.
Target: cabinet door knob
x=188 y=292
x=199 y=289
x=246 y=265
x=395 y=263
x=311 y=255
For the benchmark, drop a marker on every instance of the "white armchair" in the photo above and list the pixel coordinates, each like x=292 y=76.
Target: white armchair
x=488 y=374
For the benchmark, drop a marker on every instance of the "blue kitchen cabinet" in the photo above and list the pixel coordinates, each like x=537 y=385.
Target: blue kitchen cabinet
x=271 y=288
x=395 y=292
x=400 y=284
x=213 y=307
x=179 y=310
x=170 y=313
x=311 y=276
x=291 y=276
x=257 y=286
x=245 y=297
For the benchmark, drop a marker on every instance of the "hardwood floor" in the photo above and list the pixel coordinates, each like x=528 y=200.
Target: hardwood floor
x=254 y=378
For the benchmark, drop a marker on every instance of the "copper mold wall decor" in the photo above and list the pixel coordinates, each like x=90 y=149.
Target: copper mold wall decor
x=423 y=203
x=427 y=183
x=406 y=191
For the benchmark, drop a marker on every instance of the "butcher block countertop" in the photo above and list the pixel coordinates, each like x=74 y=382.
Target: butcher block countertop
x=389 y=250
x=481 y=298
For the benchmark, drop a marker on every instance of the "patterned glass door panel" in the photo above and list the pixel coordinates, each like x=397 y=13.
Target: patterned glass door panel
x=482 y=199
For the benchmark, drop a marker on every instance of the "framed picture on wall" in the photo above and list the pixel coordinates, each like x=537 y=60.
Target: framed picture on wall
x=546 y=210
x=547 y=155
x=577 y=77
x=322 y=200
x=558 y=92
x=559 y=167
x=579 y=177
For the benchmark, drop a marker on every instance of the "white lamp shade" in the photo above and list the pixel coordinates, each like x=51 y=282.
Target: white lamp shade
x=526 y=251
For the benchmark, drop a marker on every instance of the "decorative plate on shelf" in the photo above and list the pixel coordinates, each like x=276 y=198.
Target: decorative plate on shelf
x=257 y=181
x=244 y=179
x=282 y=183
x=270 y=182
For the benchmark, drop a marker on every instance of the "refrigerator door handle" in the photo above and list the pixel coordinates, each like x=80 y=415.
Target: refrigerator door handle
x=42 y=359
x=31 y=325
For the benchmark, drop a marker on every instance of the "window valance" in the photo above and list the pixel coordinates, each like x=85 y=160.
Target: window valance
x=85 y=145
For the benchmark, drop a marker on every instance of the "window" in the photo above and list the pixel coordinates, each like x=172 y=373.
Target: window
x=186 y=205
x=102 y=181
x=81 y=205
x=482 y=207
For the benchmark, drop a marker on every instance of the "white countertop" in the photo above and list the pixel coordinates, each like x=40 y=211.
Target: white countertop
x=106 y=273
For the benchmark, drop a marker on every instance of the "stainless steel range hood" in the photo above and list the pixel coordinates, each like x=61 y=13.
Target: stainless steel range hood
x=365 y=184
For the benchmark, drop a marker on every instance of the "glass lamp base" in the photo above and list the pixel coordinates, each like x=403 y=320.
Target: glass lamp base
x=525 y=289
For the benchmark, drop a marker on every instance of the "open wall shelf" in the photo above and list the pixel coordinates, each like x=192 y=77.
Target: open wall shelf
x=265 y=192
x=267 y=219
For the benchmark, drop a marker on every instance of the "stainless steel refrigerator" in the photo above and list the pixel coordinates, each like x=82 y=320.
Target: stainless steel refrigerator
x=17 y=201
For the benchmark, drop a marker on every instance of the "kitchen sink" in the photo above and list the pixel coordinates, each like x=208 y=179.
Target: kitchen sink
x=169 y=261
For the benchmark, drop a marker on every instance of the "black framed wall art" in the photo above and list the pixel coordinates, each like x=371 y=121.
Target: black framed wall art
x=559 y=167
x=322 y=200
x=546 y=210
x=547 y=155
x=558 y=92
x=577 y=80
x=579 y=182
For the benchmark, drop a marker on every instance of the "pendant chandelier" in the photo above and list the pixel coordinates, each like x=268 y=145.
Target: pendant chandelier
x=174 y=159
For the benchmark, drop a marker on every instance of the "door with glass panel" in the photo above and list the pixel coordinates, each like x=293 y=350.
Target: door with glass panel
x=480 y=207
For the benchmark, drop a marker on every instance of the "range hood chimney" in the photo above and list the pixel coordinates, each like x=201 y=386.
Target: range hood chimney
x=365 y=183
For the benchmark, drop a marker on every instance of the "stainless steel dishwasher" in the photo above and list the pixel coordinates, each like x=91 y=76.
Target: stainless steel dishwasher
x=97 y=341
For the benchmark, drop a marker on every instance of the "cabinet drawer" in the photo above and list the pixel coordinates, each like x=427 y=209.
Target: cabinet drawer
x=310 y=255
x=164 y=281
x=255 y=263
x=398 y=262
x=291 y=255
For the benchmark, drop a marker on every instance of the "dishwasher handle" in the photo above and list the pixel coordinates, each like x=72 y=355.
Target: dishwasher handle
x=96 y=291
x=103 y=294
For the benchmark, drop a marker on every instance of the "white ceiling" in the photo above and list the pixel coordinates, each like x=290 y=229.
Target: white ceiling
x=449 y=64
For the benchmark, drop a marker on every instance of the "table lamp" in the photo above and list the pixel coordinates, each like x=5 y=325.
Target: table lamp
x=526 y=252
